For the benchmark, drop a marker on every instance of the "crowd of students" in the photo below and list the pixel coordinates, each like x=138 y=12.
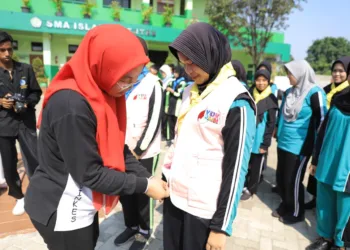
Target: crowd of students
x=100 y=136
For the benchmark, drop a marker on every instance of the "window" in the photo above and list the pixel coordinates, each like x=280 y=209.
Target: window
x=15 y=45
x=182 y=7
x=72 y=48
x=122 y=3
x=38 y=47
x=75 y=1
x=162 y=3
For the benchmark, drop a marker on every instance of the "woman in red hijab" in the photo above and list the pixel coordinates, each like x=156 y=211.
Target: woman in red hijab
x=84 y=164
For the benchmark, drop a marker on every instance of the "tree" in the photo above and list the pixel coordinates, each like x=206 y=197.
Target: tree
x=323 y=52
x=249 y=23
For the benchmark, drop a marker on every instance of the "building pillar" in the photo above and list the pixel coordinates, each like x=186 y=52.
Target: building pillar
x=188 y=8
x=47 y=55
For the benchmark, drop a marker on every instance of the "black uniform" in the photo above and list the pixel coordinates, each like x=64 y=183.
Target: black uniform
x=18 y=126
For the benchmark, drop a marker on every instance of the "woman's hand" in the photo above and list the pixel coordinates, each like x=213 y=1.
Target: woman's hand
x=312 y=169
x=169 y=90
x=7 y=103
x=135 y=155
x=274 y=133
x=157 y=189
x=216 y=241
x=262 y=151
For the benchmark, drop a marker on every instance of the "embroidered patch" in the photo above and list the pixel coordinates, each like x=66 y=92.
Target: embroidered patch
x=140 y=97
x=23 y=83
x=210 y=116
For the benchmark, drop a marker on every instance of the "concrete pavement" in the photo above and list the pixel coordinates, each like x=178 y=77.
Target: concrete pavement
x=254 y=227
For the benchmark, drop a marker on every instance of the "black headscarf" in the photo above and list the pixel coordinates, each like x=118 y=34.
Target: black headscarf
x=241 y=74
x=264 y=73
x=144 y=45
x=205 y=46
x=345 y=60
x=342 y=101
x=267 y=65
x=180 y=70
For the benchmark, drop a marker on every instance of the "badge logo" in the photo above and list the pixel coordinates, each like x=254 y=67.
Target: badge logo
x=36 y=22
x=23 y=83
x=140 y=97
x=209 y=116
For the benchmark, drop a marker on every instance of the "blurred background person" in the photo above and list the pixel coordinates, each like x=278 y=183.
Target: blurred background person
x=331 y=168
x=173 y=100
x=302 y=112
x=144 y=110
x=267 y=107
x=339 y=85
x=241 y=74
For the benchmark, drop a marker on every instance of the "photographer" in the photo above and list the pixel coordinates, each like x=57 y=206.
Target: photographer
x=19 y=93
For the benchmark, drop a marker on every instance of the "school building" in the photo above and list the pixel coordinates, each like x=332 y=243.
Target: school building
x=51 y=30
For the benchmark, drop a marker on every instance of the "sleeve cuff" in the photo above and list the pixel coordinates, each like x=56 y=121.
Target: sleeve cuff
x=141 y=185
x=218 y=230
x=314 y=161
x=138 y=151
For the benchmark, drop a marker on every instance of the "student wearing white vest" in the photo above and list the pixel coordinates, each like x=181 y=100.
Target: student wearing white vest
x=206 y=169
x=143 y=136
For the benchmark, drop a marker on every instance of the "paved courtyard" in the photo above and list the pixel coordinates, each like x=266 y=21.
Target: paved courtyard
x=254 y=227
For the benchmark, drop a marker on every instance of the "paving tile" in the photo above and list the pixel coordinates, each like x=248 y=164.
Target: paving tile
x=265 y=243
x=253 y=228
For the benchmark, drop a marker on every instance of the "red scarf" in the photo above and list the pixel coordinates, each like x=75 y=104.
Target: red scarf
x=104 y=56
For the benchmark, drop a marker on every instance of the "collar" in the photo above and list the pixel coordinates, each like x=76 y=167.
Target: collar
x=17 y=66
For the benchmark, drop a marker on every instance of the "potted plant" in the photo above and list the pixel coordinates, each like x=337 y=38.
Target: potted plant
x=116 y=9
x=193 y=20
x=168 y=15
x=146 y=14
x=58 y=4
x=26 y=8
x=87 y=8
x=38 y=68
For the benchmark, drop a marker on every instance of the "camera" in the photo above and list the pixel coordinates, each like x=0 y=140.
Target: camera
x=20 y=102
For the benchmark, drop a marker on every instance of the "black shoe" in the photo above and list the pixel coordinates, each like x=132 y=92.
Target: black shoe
x=246 y=195
x=279 y=212
x=125 y=236
x=275 y=214
x=311 y=204
x=140 y=241
x=275 y=189
x=320 y=244
x=289 y=219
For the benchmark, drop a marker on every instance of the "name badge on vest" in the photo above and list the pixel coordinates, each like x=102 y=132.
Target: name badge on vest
x=23 y=83
x=209 y=116
x=140 y=97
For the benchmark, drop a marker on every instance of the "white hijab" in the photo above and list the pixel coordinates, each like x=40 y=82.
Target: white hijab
x=169 y=76
x=306 y=80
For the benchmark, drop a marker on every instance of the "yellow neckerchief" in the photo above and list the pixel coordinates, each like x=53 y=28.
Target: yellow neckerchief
x=260 y=96
x=225 y=72
x=335 y=90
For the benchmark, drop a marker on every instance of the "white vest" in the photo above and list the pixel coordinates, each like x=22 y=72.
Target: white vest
x=137 y=106
x=195 y=174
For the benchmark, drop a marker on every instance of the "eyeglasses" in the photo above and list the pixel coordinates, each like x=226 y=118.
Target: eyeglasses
x=126 y=86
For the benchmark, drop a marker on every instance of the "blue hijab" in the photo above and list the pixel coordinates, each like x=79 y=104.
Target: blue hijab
x=139 y=79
